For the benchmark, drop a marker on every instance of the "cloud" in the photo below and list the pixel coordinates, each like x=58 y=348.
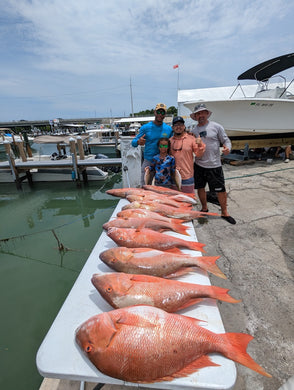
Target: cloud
x=81 y=50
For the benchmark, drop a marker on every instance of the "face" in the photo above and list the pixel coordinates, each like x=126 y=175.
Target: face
x=159 y=115
x=202 y=117
x=163 y=146
x=179 y=128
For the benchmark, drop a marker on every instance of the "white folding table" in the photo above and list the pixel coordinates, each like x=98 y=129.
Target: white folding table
x=60 y=357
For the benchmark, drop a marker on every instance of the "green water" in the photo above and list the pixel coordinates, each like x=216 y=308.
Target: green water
x=35 y=276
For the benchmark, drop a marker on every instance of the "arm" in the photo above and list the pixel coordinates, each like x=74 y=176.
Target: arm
x=140 y=138
x=224 y=140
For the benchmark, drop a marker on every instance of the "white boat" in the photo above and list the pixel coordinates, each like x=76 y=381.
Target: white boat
x=270 y=112
x=7 y=135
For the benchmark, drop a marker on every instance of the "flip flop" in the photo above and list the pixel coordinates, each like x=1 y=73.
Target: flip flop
x=204 y=211
x=229 y=219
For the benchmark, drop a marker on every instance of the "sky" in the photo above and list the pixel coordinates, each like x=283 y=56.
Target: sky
x=98 y=58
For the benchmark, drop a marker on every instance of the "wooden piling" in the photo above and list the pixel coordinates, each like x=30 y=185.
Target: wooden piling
x=73 y=152
x=12 y=164
x=21 y=150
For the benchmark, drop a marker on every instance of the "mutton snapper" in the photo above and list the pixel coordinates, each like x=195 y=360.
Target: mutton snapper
x=149 y=223
x=144 y=344
x=122 y=290
x=157 y=263
x=148 y=238
x=168 y=211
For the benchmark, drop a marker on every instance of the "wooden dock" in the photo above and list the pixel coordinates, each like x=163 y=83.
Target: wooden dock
x=20 y=169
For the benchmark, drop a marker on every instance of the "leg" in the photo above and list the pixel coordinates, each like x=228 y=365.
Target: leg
x=202 y=198
x=222 y=198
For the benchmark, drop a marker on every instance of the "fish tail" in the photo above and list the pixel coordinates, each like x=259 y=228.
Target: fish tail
x=235 y=345
x=196 y=246
x=179 y=228
x=222 y=294
x=208 y=264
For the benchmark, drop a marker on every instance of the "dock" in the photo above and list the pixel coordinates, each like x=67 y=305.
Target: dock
x=19 y=170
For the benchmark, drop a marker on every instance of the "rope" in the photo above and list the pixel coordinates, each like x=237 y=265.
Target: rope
x=259 y=173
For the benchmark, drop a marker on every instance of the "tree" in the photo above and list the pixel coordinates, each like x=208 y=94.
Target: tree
x=171 y=111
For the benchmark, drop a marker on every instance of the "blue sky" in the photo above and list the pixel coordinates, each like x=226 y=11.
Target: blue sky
x=75 y=58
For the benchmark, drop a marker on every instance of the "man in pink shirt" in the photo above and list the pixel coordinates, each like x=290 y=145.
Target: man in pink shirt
x=183 y=147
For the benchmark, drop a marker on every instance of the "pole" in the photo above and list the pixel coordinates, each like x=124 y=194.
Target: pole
x=131 y=97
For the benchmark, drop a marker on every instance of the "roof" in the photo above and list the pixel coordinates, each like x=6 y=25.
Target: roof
x=56 y=139
x=267 y=69
x=135 y=119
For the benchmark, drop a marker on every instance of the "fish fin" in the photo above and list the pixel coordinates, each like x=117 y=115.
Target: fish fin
x=235 y=345
x=177 y=251
x=180 y=272
x=145 y=278
x=178 y=228
x=190 y=303
x=196 y=246
x=222 y=294
x=108 y=331
x=134 y=320
x=203 y=361
x=141 y=250
x=208 y=264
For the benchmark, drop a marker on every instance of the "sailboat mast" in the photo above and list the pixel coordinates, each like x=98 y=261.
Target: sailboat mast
x=131 y=97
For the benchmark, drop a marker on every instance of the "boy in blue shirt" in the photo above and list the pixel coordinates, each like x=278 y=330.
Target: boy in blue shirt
x=149 y=135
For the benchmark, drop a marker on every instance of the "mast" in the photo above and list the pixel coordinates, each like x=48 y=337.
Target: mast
x=131 y=97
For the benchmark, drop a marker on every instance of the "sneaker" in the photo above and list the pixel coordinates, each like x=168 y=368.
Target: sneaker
x=287 y=160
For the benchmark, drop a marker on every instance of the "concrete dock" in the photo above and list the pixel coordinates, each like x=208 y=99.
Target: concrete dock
x=257 y=255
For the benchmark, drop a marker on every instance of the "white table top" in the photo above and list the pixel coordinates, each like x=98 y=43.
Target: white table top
x=60 y=357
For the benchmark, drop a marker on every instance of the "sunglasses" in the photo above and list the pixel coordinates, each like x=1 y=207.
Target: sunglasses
x=163 y=146
x=176 y=150
x=160 y=112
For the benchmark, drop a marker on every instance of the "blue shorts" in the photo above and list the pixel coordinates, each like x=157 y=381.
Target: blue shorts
x=187 y=186
x=214 y=177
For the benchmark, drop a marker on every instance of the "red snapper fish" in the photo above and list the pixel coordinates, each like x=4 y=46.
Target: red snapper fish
x=149 y=223
x=123 y=192
x=159 y=199
x=148 y=238
x=157 y=263
x=167 y=211
x=122 y=290
x=144 y=344
x=144 y=213
x=166 y=191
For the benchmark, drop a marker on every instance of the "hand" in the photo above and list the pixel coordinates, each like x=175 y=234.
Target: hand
x=147 y=169
x=198 y=140
x=142 y=140
x=226 y=150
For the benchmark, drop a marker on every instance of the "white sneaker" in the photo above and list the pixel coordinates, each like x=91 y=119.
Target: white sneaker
x=287 y=160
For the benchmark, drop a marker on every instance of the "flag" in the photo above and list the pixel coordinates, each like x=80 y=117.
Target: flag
x=175 y=66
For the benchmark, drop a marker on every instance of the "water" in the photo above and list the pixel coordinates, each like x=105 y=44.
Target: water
x=35 y=277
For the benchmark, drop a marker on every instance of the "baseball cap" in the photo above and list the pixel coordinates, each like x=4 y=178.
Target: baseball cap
x=178 y=119
x=161 y=106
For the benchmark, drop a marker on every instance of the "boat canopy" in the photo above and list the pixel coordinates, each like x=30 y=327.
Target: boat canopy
x=267 y=69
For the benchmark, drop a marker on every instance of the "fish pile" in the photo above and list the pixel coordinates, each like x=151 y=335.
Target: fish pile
x=142 y=339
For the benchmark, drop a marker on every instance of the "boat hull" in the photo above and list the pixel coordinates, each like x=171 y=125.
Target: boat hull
x=251 y=116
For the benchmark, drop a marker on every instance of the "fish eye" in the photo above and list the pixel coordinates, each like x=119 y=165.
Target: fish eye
x=88 y=348
x=108 y=289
